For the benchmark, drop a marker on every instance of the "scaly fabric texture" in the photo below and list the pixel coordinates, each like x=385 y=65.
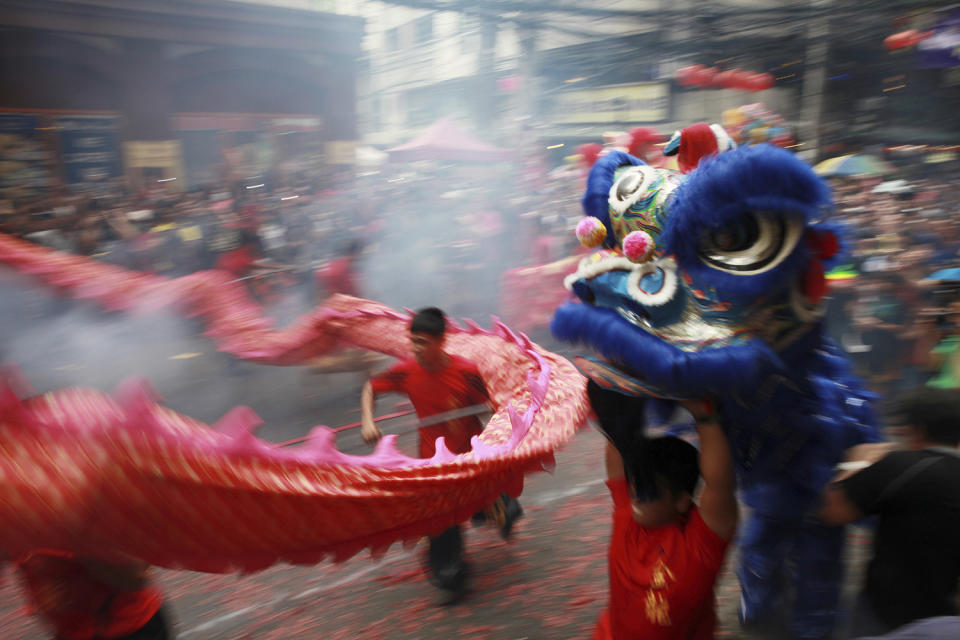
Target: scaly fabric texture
x=86 y=472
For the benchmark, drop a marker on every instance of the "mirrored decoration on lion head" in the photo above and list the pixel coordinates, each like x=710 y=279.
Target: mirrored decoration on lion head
x=701 y=282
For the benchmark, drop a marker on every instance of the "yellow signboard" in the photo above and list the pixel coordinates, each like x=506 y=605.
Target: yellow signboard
x=153 y=154
x=341 y=152
x=163 y=157
x=628 y=103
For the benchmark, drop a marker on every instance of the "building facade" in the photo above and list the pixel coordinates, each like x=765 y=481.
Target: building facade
x=561 y=77
x=195 y=91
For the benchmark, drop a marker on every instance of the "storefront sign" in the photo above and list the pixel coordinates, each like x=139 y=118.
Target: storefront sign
x=248 y=122
x=24 y=157
x=153 y=154
x=161 y=160
x=629 y=103
x=90 y=148
x=296 y=124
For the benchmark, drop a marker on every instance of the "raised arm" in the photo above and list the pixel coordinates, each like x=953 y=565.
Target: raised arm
x=369 y=430
x=614 y=462
x=718 y=502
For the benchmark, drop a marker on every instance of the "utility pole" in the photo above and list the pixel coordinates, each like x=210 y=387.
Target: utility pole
x=529 y=70
x=814 y=80
x=486 y=98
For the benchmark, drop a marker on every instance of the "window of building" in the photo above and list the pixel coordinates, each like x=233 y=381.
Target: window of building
x=469 y=42
x=421 y=107
x=392 y=39
x=467 y=34
x=376 y=113
x=423 y=29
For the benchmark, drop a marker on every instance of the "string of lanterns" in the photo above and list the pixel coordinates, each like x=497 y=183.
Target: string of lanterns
x=904 y=39
x=698 y=75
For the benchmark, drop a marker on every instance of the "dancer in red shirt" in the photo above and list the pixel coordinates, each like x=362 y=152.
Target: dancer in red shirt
x=438 y=383
x=666 y=553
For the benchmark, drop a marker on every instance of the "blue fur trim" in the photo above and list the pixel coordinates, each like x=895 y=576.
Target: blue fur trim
x=745 y=289
x=595 y=198
x=723 y=187
x=662 y=365
x=787 y=442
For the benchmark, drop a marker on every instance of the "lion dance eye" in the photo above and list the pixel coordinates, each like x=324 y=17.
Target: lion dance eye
x=754 y=243
x=738 y=237
x=629 y=184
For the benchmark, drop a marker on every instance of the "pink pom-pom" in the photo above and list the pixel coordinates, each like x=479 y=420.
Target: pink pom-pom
x=638 y=246
x=591 y=232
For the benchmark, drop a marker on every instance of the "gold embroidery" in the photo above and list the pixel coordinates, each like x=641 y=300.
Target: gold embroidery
x=660 y=575
x=657 y=606
x=658 y=609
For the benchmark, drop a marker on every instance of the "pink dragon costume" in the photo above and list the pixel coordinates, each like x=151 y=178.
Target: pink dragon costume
x=96 y=474
x=711 y=283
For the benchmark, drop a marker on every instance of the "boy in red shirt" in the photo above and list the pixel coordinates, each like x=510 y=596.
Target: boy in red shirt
x=666 y=552
x=438 y=382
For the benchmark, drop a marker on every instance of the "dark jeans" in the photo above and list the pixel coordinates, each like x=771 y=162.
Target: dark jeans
x=448 y=570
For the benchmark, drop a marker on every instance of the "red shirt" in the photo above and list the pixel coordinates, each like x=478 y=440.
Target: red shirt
x=238 y=261
x=79 y=605
x=661 y=579
x=456 y=386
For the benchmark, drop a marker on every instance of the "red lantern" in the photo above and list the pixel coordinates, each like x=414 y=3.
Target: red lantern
x=687 y=76
x=900 y=40
x=748 y=82
x=758 y=81
x=705 y=77
x=921 y=36
x=726 y=79
x=741 y=79
x=765 y=81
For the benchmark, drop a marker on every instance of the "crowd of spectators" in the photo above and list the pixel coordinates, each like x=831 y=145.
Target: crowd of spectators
x=444 y=235
x=896 y=321
x=425 y=234
x=174 y=233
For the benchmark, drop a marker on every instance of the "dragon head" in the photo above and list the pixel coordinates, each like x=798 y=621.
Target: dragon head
x=705 y=280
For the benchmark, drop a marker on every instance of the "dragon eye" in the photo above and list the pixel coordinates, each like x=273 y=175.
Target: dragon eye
x=754 y=243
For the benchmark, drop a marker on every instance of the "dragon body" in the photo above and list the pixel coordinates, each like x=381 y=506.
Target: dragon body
x=100 y=474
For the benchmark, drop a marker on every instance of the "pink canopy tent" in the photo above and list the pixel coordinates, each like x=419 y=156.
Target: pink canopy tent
x=445 y=140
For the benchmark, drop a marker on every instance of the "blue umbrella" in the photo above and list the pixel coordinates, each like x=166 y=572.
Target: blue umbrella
x=945 y=274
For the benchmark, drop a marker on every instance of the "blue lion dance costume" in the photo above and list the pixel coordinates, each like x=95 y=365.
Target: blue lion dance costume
x=711 y=284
